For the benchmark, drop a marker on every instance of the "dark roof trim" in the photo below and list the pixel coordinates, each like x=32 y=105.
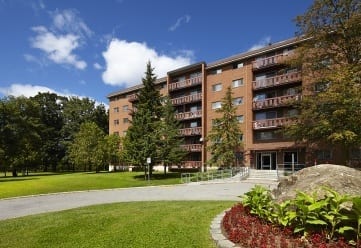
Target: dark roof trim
x=186 y=68
x=247 y=55
x=135 y=88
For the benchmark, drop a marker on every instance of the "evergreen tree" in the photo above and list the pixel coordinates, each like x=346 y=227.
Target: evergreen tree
x=142 y=138
x=170 y=150
x=330 y=57
x=224 y=138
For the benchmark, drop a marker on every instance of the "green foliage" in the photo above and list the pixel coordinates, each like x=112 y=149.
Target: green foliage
x=89 y=149
x=308 y=212
x=330 y=54
x=225 y=135
x=259 y=200
x=169 y=149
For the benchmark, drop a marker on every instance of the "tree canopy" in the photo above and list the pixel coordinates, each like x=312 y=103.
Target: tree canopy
x=330 y=58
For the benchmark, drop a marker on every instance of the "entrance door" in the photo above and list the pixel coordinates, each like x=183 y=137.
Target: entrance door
x=266 y=161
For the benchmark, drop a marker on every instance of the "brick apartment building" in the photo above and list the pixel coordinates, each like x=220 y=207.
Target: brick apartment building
x=263 y=87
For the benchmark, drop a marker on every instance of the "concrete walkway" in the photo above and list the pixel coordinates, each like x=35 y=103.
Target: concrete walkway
x=22 y=206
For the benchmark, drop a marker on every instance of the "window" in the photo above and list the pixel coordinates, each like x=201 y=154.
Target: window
x=116 y=109
x=216 y=71
x=116 y=122
x=194 y=124
x=241 y=137
x=324 y=155
x=266 y=135
x=290 y=157
x=355 y=154
x=236 y=83
x=196 y=74
x=125 y=120
x=240 y=118
x=238 y=101
x=116 y=133
x=266 y=115
x=216 y=105
x=237 y=65
x=217 y=87
x=124 y=133
x=125 y=108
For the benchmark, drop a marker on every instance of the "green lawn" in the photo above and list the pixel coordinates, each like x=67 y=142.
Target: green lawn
x=138 y=224
x=51 y=183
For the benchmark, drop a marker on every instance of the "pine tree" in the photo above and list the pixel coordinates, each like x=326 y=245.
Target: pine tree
x=142 y=138
x=224 y=138
x=170 y=150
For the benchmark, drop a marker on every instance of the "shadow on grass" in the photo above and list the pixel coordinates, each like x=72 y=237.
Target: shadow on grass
x=16 y=179
x=156 y=176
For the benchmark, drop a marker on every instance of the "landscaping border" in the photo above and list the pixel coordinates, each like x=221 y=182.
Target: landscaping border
x=217 y=235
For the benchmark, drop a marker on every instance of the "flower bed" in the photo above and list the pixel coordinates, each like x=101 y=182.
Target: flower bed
x=250 y=231
x=308 y=221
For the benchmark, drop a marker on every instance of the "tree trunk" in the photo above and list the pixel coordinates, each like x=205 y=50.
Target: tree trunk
x=15 y=173
x=165 y=169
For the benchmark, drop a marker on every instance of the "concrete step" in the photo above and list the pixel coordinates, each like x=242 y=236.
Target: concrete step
x=263 y=174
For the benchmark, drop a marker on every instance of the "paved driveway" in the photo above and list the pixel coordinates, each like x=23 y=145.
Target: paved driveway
x=22 y=206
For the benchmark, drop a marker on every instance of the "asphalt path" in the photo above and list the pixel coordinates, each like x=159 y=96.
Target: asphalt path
x=30 y=205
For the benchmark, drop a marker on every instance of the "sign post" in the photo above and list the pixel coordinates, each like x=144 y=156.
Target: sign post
x=149 y=161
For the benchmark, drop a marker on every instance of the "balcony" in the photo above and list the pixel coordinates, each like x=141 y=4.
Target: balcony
x=189 y=115
x=192 y=147
x=275 y=102
x=191 y=164
x=133 y=97
x=269 y=61
x=190 y=131
x=185 y=83
x=277 y=80
x=272 y=123
x=187 y=99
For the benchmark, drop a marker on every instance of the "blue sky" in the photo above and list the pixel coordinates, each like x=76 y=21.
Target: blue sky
x=95 y=47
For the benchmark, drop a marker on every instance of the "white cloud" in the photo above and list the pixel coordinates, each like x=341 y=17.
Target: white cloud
x=262 y=43
x=180 y=20
x=68 y=21
x=26 y=90
x=97 y=66
x=29 y=90
x=58 y=48
x=126 y=62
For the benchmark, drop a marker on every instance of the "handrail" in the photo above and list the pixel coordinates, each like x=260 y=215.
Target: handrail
x=215 y=175
x=185 y=83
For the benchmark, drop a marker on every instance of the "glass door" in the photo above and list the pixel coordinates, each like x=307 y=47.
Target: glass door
x=266 y=161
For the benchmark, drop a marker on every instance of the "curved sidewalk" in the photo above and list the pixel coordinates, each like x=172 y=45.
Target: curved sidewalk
x=22 y=206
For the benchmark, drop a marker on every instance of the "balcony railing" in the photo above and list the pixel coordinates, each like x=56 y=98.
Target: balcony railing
x=275 y=102
x=277 y=80
x=269 y=61
x=272 y=123
x=187 y=99
x=191 y=164
x=190 y=131
x=192 y=147
x=189 y=115
x=133 y=97
x=185 y=83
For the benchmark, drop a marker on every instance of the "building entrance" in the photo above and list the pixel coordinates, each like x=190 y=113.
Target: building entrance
x=266 y=160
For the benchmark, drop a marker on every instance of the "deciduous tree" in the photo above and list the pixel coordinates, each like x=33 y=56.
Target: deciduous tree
x=330 y=57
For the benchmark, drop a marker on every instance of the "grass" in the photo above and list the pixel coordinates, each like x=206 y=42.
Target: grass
x=52 y=183
x=136 y=224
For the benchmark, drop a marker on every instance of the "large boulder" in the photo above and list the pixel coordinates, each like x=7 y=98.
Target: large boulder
x=344 y=180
